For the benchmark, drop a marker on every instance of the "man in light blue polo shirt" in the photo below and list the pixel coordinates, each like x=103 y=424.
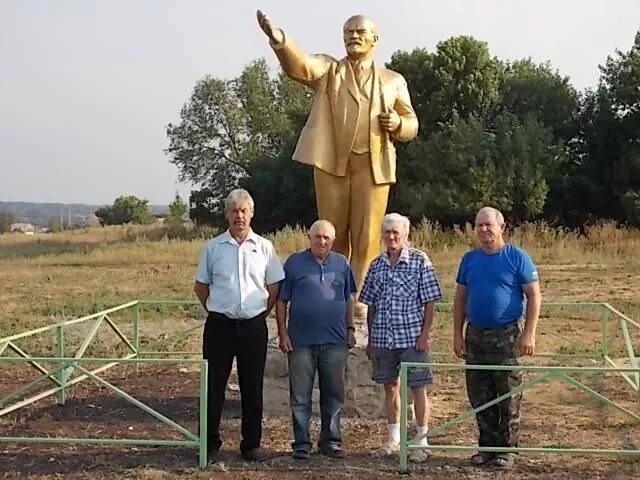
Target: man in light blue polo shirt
x=318 y=285
x=491 y=285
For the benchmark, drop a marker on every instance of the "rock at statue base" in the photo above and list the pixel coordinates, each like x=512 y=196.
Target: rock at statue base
x=360 y=311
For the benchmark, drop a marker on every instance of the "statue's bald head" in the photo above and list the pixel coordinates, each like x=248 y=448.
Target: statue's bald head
x=362 y=20
x=360 y=35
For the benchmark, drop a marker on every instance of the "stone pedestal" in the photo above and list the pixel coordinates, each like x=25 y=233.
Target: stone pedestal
x=363 y=398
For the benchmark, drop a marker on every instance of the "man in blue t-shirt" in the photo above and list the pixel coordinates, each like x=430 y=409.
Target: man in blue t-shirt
x=492 y=283
x=319 y=286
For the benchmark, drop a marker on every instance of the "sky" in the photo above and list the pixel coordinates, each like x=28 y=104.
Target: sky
x=87 y=87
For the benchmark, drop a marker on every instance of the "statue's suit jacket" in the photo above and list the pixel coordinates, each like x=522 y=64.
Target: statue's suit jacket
x=328 y=135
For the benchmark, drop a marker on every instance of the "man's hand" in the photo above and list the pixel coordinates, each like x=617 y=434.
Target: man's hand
x=458 y=346
x=389 y=121
x=527 y=343
x=351 y=338
x=422 y=343
x=369 y=351
x=285 y=343
x=270 y=30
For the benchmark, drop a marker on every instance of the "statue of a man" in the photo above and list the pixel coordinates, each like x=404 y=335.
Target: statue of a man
x=359 y=109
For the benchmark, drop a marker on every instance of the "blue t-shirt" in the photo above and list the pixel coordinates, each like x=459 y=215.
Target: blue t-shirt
x=317 y=294
x=494 y=284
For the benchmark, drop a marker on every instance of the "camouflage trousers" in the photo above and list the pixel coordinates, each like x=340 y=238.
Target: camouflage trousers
x=497 y=425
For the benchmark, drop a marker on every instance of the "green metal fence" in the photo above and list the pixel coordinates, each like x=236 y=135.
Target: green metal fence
x=63 y=369
x=609 y=317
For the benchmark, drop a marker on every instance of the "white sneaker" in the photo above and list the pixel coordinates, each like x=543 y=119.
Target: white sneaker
x=419 y=455
x=387 y=449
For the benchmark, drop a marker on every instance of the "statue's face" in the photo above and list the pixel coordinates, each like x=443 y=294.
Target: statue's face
x=359 y=36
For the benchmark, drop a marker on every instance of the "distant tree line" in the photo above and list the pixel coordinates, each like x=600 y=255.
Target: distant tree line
x=6 y=220
x=515 y=135
x=131 y=209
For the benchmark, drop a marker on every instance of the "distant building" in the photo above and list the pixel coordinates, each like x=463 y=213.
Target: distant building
x=25 y=228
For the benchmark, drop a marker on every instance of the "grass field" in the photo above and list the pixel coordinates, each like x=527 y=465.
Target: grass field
x=49 y=278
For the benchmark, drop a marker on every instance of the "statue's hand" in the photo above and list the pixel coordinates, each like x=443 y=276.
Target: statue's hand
x=270 y=30
x=389 y=121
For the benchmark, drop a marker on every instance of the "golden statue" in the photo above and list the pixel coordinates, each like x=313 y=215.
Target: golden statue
x=359 y=109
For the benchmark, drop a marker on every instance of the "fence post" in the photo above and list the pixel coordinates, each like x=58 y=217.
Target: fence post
x=136 y=334
x=61 y=397
x=204 y=395
x=403 y=417
x=604 y=328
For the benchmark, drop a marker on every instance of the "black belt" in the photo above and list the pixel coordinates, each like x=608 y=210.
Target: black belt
x=219 y=317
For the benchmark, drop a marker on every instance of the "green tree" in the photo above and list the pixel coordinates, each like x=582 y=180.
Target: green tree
x=535 y=91
x=454 y=91
x=206 y=207
x=125 y=209
x=227 y=127
x=177 y=210
x=466 y=166
x=459 y=80
x=525 y=158
x=282 y=190
x=490 y=132
x=6 y=219
x=54 y=225
x=606 y=180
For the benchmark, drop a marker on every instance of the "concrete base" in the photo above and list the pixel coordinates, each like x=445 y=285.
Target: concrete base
x=364 y=399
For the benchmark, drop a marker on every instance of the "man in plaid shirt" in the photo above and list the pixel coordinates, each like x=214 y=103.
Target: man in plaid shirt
x=400 y=289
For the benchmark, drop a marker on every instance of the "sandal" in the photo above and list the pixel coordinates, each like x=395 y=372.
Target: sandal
x=504 y=460
x=481 y=458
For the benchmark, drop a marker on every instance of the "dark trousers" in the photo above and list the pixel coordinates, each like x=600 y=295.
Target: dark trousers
x=246 y=340
x=497 y=425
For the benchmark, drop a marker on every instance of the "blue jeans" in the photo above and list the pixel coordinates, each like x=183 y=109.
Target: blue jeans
x=330 y=362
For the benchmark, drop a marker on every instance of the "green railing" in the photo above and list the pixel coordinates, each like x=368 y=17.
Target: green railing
x=65 y=369
x=542 y=373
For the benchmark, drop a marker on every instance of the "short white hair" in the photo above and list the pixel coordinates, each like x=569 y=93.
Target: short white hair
x=396 y=219
x=497 y=215
x=238 y=195
x=323 y=223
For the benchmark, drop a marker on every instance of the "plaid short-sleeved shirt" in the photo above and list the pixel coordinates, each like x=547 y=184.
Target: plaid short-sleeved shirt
x=398 y=295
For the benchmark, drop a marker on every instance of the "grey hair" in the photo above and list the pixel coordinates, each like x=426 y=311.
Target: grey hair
x=238 y=195
x=396 y=219
x=497 y=215
x=323 y=223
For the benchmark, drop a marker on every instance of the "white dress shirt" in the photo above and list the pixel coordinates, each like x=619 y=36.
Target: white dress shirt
x=237 y=274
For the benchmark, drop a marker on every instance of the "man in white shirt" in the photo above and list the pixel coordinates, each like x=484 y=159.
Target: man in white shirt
x=237 y=283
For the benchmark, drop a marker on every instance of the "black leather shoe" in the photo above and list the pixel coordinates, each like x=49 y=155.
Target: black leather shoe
x=253 y=455
x=213 y=455
x=301 y=454
x=333 y=452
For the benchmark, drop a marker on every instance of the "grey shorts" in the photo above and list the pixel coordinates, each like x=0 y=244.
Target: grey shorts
x=386 y=366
